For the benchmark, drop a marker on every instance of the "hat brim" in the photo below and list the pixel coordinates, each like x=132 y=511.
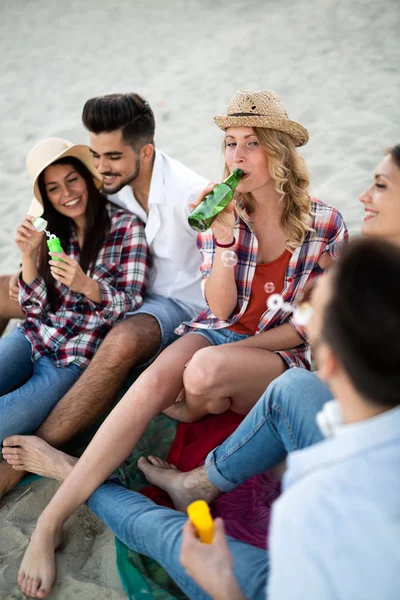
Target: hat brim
x=36 y=208
x=82 y=153
x=297 y=132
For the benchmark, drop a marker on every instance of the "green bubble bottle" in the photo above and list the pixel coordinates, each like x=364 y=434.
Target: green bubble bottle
x=202 y=217
x=53 y=242
x=54 y=245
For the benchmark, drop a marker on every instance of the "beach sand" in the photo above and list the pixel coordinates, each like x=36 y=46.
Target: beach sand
x=334 y=64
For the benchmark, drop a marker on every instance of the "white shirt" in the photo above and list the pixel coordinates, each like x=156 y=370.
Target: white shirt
x=175 y=271
x=335 y=530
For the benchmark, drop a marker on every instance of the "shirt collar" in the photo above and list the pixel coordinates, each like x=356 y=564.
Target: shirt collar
x=157 y=189
x=348 y=441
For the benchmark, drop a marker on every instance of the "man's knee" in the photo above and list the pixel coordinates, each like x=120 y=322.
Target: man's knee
x=203 y=372
x=296 y=387
x=133 y=338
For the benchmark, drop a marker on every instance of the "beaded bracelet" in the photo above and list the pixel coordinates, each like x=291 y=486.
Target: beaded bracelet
x=225 y=245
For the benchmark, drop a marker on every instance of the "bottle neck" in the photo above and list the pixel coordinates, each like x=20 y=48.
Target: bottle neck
x=233 y=179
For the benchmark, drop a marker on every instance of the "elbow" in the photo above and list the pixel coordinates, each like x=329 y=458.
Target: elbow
x=222 y=312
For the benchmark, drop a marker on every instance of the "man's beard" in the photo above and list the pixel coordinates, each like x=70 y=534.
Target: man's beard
x=123 y=182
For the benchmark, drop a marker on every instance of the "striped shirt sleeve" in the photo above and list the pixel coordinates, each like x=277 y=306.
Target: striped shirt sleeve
x=32 y=297
x=123 y=272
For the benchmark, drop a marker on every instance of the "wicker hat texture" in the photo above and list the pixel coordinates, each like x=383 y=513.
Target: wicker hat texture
x=44 y=154
x=261 y=109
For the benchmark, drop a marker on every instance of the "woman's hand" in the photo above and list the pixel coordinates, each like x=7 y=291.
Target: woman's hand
x=13 y=287
x=223 y=225
x=68 y=272
x=210 y=565
x=27 y=238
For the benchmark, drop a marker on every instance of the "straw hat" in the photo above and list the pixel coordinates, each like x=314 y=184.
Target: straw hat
x=261 y=109
x=44 y=154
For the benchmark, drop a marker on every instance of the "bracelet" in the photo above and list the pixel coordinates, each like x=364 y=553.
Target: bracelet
x=225 y=245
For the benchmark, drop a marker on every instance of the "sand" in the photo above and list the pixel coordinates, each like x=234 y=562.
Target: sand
x=335 y=65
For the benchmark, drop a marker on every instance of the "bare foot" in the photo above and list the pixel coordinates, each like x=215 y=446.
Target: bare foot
x=31 y=453
x=182 y=488
x=8 y=478
x=37 y=573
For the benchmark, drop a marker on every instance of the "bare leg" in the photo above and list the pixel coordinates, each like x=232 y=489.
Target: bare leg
x=225 y=377
x=131 y=342
x=182 y=488
x=8 y=478
x=9 y=309
x=155 y=389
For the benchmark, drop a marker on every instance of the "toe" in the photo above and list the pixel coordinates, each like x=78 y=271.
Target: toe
x=154 y=460
x=13 y=440
x=21 y=578
x=13 y=460
x=35 y=583
x=28 y=586
x=9 y=451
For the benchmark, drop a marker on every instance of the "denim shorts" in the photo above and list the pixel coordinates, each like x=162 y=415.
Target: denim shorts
x=218 y=337
x=168 y=314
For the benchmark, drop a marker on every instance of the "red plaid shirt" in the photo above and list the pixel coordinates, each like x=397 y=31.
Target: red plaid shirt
x=74 y=332
x=329 y=233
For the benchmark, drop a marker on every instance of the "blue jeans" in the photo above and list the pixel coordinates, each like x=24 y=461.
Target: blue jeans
x=156 y=531
x=28 y=390
x=283 y=420
x=219 y=337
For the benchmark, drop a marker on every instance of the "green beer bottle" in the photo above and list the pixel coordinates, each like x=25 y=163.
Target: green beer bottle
x=202 y=217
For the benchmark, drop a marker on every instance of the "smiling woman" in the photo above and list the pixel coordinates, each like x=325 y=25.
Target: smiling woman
x=69 y=305
x=382 y=199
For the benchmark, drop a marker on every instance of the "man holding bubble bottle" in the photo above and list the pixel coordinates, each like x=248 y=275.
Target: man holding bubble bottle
x=280 y=236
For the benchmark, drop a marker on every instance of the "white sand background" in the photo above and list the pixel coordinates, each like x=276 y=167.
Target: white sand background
x=334 y=63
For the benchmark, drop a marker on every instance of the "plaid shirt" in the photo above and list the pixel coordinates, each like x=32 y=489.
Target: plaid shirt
x=329 y=233
x=74 y=332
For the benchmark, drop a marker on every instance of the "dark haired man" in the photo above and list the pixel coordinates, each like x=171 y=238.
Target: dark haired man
x=158 y=190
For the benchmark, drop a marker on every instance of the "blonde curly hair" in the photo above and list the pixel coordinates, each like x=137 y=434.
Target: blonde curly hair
x=292 y=180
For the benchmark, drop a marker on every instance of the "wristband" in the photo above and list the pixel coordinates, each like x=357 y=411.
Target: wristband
x=225 y=245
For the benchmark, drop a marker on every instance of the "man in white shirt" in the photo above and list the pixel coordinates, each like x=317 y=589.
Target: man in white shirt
x=158 y=190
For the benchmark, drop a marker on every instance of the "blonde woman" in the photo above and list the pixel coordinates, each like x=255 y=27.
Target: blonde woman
x=280 y=237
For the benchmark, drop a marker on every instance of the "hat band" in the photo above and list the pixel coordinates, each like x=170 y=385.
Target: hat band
x=246 y=115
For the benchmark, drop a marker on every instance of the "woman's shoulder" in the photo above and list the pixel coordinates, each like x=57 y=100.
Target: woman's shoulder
x=324 y=215
x=121 y=218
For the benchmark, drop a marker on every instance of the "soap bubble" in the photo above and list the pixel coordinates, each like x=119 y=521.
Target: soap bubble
x=286 y=307
x=303 y=313
x=229 y=258
x=269 y=287
x=275 y=302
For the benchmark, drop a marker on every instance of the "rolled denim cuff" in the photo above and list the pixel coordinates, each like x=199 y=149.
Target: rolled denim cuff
x=215 y=477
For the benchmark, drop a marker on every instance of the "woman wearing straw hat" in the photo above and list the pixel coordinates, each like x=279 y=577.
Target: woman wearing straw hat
x=281 y=237
x=70 y=300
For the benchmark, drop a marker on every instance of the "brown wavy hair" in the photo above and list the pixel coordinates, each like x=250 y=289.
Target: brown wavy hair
x=292 y=180
x=395 y=154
